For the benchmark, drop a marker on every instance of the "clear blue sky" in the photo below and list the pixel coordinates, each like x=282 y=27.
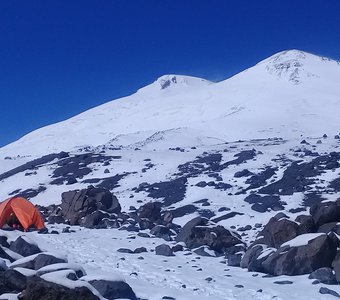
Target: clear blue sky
x=61 y=57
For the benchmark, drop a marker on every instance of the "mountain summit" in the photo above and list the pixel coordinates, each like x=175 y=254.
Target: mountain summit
x=287 y=95
x=296 y=65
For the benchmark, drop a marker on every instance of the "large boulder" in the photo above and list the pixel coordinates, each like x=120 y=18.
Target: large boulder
x=325 y=212
x=113 y=289
x=198 y=232
x=324 y=275
x=164 y=250
x=306 y=224
x=39 y=289
x=278 y=230
x=336 y=266
x=38 y=261
x=80 y=203
x=255 y=256
x=162 y=232
x=150 y=211
x=302 y=255
x=25 y=248
x=92 y=220
x=14 y=280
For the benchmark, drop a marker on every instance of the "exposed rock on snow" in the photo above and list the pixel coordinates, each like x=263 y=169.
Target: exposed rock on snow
x=198 y=232
x=78 y=204
x=318 y=253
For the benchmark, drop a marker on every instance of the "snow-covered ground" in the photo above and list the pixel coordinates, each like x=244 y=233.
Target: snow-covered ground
x=184 y=276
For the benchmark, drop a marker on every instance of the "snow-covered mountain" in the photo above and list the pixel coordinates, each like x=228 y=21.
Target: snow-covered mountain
x=236 y=152
x=287 y=95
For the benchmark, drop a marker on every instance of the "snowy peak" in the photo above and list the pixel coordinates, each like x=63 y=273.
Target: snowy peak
x=167 y=81
x=295 y=65
x=176 y=82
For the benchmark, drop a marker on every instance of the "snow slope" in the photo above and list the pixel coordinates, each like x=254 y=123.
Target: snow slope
x=289 y=94
x=181 y=122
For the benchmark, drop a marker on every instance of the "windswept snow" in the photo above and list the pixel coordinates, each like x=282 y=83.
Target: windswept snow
x=302 y=240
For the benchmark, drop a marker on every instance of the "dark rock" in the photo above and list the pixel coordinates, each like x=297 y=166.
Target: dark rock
x=164 y=250
x=319 y=252
x=206 y=213
x=113 y=289
x=143 y=234
x=283 y=282
x=140 y=250
x=254 y=257
x=14 y=280
x=161 y=231
x=177 y=248
x=325 y=212
x=3 y=241
x=196 y=233
x=227 y=216
x=243 y=173
x=296 y=178
x=93 y=219
x=328 y=227
x=307 y=224
x=277 y=231
x=150 y=211
x=171 y=192
x=39 y=289
x=324 y=275
x=234 y=260
x=258 y=180
x=145 y=224
x=41 y=260
x=78 y=204
x=327 y=291
x=125 y=250
x=167 y=217
x=54 y=219
x=204 y=251
x=264 y=203
x=24 y=248
x=241 y=157
x=183 y=210
x=336 y=266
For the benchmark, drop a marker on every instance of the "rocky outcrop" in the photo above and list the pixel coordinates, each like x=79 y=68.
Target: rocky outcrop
x=79 y=204
x=43 y=276
x=39 y=289
x=199 y=232
x=113 y=289
x=325 y=212
x=23 y=247
x=278 y=230
x=318 y=252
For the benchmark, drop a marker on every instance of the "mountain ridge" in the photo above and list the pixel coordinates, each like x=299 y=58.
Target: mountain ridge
x=279 y=96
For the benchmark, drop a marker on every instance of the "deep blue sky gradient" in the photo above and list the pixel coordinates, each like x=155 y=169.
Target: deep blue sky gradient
x=61 y=57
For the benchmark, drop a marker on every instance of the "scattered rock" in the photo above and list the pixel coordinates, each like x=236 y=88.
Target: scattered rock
x=327 y=291
x=164 y=250
x=113 y=289
x=324 y=275
x=24 y=248
x=39 y=289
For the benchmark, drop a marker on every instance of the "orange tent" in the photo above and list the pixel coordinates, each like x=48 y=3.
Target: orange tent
x=24 y=210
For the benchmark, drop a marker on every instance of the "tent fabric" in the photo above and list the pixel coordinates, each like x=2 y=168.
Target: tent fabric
x=24 y=210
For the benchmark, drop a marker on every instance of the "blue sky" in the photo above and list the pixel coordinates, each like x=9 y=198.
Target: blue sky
x=61 y=57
